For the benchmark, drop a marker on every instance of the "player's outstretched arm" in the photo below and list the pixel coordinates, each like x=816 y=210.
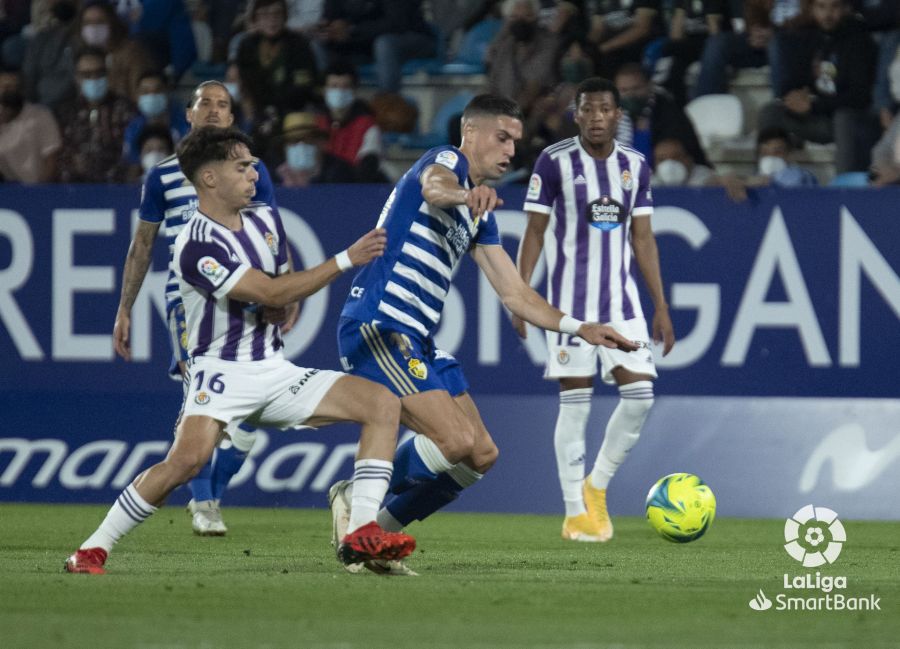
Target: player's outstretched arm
x=647 y=255
x=530 y=249
x=256 y=286
x=137 y=262
x=524 y=301
x=441 y=188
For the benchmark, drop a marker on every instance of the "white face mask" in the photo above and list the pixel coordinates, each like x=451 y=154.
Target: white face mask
x=150 y=159
x=234 y=90
x=769 y=165
x=671 y=172
x=894 y=77
x=338 y=98
x=301 y=156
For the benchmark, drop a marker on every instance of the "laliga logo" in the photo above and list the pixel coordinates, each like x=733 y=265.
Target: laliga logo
x=822 y=536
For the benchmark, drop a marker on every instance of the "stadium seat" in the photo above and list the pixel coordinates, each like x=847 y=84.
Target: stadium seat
x=437 y=132
x=850 y=179
x=716 y=117
x=473 y=48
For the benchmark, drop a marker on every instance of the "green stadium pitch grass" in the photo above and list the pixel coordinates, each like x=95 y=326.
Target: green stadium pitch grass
x=488 y=582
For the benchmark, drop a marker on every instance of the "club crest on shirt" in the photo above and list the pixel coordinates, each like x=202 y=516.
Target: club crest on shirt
x=562 y=357
x=272 y=242
x=605 y=213
x=447 y=158
x=627 y=181
x=212 y=270
x=534 y=188
x=202 y=398
x=418 y=369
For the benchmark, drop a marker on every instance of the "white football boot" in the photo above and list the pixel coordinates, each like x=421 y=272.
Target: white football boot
x=339 y=497
x=206 y=518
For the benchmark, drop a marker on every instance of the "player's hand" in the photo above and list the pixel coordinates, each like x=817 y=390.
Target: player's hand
x=663 y=332
x=285 y=317
x=292 y=314
x=368 y=247
x=519 y=325
x=121 y=334
x=598 y=334
x=482 y=199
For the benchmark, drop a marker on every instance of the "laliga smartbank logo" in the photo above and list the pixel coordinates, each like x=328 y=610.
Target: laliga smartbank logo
x=814 y=537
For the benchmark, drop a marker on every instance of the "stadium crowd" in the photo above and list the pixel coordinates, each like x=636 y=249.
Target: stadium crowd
x=95 y=91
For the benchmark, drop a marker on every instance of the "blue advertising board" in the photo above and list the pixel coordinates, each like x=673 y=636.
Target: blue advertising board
x=786 y=308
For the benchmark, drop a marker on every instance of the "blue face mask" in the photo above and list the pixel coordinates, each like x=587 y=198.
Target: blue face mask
x=152 y=105
x=234 y=90
x=94 y=89
x=338 y=98
x=301 y=156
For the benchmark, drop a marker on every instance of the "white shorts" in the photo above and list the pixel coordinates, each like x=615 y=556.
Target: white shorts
x=272 y=392
x=570 y=356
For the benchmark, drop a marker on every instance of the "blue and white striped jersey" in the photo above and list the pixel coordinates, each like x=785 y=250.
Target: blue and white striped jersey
x=406 y=288
x=168 y=198
x=209 y=260
x=587 y=243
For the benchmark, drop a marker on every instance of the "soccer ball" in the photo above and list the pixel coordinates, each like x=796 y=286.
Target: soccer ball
x=680 y=507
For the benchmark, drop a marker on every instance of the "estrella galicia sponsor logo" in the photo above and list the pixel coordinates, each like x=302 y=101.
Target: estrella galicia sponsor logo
x=814 y=536
x=295 y=388
x=605 y=213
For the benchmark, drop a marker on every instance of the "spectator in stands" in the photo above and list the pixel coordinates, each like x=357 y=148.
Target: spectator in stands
x=157 y=108
x=886 y=153
x=13 y=17
x=386 y=32
x=693 y=23
x=354 y=135
x=154 y=144
x=126 y=59
x=522 y=59
x=676 y=168
x=49 y=65
x=163 y=27
x=882 y=20
x=242 y=107
x=620 y=30
x=775 y=164
x=93 y=126
x=306 y=162
x=304 y=16
x=653 y=116
x=29 y=137
x=277 y=67
x=828 y=70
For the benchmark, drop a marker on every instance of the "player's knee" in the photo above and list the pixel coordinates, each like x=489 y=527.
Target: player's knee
x=185 y=466
x=458 y=442
x=485 y=456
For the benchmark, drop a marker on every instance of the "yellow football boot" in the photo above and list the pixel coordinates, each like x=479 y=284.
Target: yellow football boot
x=581 y=528
x=595 y=501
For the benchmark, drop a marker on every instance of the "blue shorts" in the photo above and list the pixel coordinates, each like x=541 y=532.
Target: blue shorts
x=405 y=364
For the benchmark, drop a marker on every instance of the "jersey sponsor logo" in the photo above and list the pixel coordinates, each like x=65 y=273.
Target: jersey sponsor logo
x=627 y=181
x=212 y=270
x=605 y=213
x=202 y=398
x=418 y=369
x=357 y=291
x=534 y=188
x=447 y=158
x=459 y=238
x=272 y=242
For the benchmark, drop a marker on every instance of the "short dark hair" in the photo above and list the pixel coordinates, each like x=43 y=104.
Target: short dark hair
x=159 y=131
x=493 y=105
x=596 y=84
x=256 y=5
x=343 y=68
x=208 y=144
x=153 y=74
x=773 y=133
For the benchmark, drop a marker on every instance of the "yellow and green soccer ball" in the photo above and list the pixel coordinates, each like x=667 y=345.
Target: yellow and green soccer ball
x=681 y=507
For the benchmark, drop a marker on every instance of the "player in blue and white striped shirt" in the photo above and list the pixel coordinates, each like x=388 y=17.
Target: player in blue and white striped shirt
x=438 y=211
x=589 y=207
x=231 y=261
x=168 y=199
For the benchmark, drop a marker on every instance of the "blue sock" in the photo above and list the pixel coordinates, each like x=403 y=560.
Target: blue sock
x=409 y=469
x=228 y=462
x=201 y=485
x=424 y=499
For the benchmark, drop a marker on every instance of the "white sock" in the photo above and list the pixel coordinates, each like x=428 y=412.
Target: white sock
x=568 y=441
x=464 y=475
x=370 y=484
x=623 y=430
x=431 y=455
x=388 y=522
x=127 y=512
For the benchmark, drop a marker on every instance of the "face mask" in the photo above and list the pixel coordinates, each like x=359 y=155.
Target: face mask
x=301 y=156
x=671 y=172
x=894 y=77
x=338 y=98
x=150 y=159
x=575 y=71
x=95 y=35
x=633 y=105
x=94 y=89
x=769 y=165
x=522 y=30
x=64 y=11
x=234 y=90
x=152 y=105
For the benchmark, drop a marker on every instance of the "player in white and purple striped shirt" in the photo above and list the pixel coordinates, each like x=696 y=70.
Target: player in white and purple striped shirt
x=231 y=263
x=589 y=207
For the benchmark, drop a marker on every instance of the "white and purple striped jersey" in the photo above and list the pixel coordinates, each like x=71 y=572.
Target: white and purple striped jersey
x=167 y=197
x=406 y=287
x=590 y=262
x=209 y=261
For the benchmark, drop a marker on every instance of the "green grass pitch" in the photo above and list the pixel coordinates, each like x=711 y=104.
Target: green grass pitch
x=488 y=582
